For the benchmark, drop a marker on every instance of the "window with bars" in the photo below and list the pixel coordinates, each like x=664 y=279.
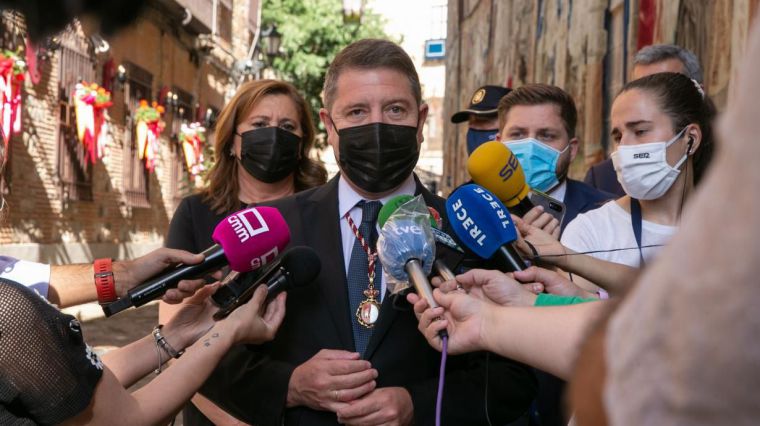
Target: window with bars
x=135 y=174
x=74 y=171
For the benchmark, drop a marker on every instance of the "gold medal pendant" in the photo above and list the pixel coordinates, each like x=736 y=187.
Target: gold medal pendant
x=369 y=310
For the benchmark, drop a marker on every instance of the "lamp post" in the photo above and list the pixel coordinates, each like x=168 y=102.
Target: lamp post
x=272 y=40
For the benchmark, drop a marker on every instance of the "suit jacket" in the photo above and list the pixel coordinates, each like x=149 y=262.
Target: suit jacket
x=602 y=176
x=252 y=382
x=581 y=198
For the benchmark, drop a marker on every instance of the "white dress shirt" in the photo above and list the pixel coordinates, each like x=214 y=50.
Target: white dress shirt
x=559 y=192
x=347 y=200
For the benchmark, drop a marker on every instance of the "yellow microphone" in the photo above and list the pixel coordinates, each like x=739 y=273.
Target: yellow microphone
x=494 y=167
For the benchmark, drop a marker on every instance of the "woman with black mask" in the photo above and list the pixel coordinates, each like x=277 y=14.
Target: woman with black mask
x=264 y=136
x=263 y=139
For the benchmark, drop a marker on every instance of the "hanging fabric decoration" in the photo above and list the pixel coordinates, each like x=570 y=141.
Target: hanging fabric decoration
x=192 y=137
x=90 y=104
x=12 y=69
x=31 y=61
x=149 y=127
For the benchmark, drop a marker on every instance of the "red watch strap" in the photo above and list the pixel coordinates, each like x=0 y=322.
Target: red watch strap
x=104 y=282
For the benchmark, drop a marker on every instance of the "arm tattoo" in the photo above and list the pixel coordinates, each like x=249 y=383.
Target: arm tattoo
x=207 y=342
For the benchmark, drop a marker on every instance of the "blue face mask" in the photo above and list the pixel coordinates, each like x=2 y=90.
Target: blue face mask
x=538 y=160
x=475 y=138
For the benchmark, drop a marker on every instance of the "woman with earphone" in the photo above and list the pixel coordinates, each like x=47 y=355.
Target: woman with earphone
x=661 y=125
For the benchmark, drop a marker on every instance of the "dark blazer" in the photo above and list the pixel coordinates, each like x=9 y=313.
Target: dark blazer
x=602 y=176
x=581 y=198
x=252 y=382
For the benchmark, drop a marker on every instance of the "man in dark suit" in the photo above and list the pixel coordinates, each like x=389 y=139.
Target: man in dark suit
x=537 y=123
x=348 y=351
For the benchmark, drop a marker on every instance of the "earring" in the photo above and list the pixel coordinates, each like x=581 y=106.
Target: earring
x=691 y=143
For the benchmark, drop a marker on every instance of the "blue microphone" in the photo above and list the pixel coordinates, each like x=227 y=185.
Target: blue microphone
x=483 y=225
x=406 y=247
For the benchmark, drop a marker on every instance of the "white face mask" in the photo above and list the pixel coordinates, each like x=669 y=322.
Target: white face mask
x=643 y=170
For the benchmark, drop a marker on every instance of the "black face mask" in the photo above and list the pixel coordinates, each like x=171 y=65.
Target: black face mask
x=377 y=157
x=269 y=154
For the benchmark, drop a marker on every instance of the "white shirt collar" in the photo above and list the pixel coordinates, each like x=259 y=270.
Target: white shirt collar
x=558 y=193
x=347 y=197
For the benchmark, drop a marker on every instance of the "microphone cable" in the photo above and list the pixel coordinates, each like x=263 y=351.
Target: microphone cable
x=538 y=257
x=441 y=376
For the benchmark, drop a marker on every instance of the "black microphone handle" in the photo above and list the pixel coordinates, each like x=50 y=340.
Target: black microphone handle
x=270 y=277
x=278 y=284
x=511 y=258
x=214 y=259
x=522 y=208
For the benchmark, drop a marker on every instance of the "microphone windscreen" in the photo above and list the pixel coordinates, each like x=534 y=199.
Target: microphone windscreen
x=252 y=237
x=303 y=264
x=390 y=207
x=393 y=204
x=479 y=220
x=494 y=167
x=402 y=239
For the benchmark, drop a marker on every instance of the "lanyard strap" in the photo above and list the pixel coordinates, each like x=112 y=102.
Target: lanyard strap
x=636 y=222
x=371 y=255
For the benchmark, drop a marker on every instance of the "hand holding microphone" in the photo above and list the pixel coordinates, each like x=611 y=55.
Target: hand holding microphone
x=406 y=247
x=245 y=240
x=131 y=273
x=297 y=267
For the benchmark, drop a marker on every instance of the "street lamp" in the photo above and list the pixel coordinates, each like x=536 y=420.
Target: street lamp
x=272 y=40
x=352 y=11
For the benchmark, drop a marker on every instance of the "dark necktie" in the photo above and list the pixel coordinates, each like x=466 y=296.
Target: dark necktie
x=358 y=278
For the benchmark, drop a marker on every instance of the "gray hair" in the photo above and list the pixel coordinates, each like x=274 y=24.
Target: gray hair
x=662 y=52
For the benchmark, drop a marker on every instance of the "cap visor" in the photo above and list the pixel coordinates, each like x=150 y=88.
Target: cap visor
x=464 y=115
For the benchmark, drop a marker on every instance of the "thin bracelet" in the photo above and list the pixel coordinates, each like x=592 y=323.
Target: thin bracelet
x=160 y=361
x=163 y=344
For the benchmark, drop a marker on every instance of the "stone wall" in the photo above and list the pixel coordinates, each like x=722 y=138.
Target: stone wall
x=583 y=46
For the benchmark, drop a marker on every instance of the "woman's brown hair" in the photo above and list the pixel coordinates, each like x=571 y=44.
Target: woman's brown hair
x=223 y=186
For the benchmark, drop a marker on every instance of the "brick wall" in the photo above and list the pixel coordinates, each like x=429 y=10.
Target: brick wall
x=41 y=222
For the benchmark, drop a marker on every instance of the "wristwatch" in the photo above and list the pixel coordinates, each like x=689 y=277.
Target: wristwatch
x=104 y=282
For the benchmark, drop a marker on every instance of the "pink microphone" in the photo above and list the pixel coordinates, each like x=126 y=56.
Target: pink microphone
x=263 y=225
x=245 y=240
